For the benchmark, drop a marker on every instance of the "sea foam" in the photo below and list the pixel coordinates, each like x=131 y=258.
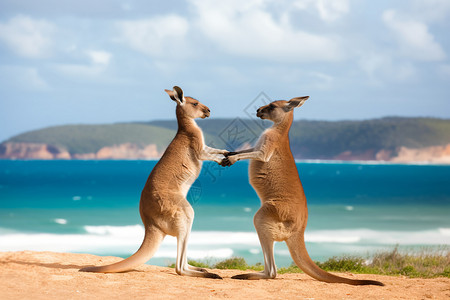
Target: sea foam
x=60 y=221
x=105 y=240
x=439 y=236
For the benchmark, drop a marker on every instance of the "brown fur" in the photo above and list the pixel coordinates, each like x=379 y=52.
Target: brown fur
x=283 y=214
x=163 y=207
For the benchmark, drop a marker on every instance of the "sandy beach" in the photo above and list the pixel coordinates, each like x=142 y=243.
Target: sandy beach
x=49 y=275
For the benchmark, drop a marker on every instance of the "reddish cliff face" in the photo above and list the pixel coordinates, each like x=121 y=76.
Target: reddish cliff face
x=128 y=150
x=44 y=151
x=32 y=151
x=349 y=155
x=434 y=154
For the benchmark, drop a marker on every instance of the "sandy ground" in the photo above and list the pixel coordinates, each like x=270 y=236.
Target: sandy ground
x=48 y=275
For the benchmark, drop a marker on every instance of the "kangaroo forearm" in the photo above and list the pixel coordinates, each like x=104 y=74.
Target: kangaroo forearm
x=245 y=151
x=214 y=150
x=205 y=155
x=256 y=155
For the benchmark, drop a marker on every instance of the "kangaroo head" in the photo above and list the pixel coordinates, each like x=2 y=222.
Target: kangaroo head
x=188 y=106
x=277 y=110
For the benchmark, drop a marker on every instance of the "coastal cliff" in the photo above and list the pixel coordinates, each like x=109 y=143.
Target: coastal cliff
x=45 y=152
x=32 y=151
x=397 y=140
x=433 y=154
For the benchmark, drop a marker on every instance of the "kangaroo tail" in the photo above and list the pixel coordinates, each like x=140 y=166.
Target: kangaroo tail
x=152 y=239
x=297 y=248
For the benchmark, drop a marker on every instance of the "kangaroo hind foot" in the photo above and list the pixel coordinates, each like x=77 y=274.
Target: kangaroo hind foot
x=182 y=267
x=270 y=269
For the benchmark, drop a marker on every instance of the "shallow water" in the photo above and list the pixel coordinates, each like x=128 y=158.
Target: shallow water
x=92 y=207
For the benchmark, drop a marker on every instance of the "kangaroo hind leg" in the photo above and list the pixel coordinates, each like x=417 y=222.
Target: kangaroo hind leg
x=270 y=269
x=267 y=242
x=182 y=267
x=200 y=269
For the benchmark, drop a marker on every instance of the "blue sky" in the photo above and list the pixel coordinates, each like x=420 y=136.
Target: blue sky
x=104 y=61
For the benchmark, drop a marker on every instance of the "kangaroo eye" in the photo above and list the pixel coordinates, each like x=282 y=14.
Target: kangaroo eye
x=271 y=106
x=195 y=104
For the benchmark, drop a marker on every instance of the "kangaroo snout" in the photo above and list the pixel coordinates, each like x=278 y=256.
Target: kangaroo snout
x=259 y=113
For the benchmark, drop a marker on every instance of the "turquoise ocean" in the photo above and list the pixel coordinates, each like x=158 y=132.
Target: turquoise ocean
x=92 y=207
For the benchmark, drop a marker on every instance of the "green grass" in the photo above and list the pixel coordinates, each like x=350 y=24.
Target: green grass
x=427 y=263
x=235 y=263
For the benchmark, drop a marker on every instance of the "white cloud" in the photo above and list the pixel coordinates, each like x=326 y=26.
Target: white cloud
x=99 y=57
x=249 y=29
x=158 y=36
x=28 y=37
x=97 y=65
x=414 y=39
x=328 y=10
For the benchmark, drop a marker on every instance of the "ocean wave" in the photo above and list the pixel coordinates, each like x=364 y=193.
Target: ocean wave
x=107 y=240
x=198 y=254
x=343 y=236
x=438 y=236
x=60 y=221
x=445 y=231
x=100 y=244
x=196 y=237
x=119 y=231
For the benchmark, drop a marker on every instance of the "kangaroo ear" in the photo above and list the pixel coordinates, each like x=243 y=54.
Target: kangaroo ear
x=176 y=95
x=295 y=102
x=170 y=93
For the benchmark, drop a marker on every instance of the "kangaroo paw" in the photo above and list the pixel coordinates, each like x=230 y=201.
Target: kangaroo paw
x=212 y=275
x=253 y=276
x=88 y=269
x=241 y=276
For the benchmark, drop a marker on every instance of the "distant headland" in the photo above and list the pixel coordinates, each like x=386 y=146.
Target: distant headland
x=392 y=139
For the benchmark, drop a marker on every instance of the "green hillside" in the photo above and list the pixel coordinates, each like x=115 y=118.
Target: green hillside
x=80 y=139
x=323 y=139
x=309 y=139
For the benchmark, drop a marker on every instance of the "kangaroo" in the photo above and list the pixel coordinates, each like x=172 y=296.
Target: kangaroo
x=163 y=206
x=283 y=213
